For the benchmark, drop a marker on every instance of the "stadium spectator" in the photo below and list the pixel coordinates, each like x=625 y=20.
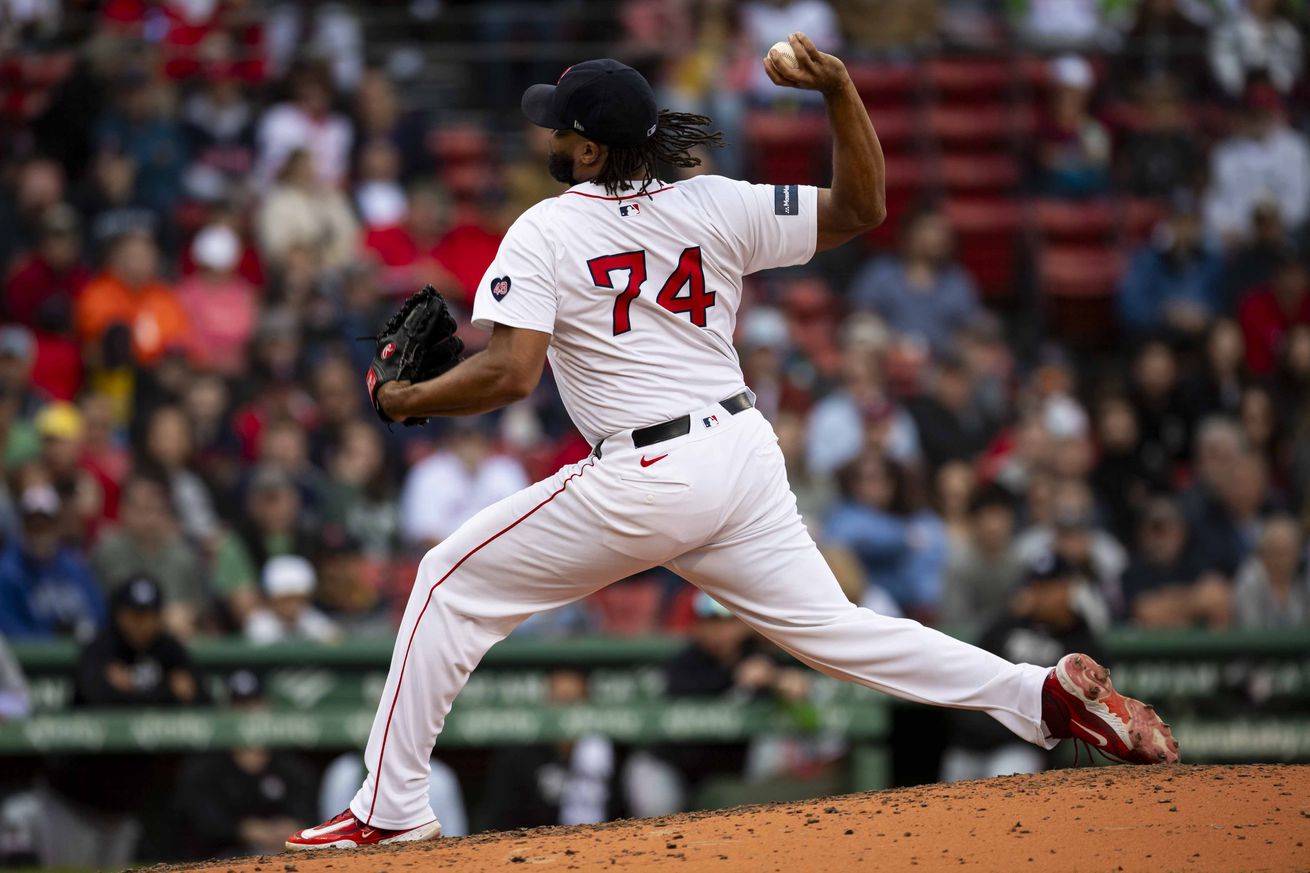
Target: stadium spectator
x=983 y=570
x=360 y=495
x=39 y=185
x=900 y=542
x=1215 y=387
x=1072 y=146
x=289 y=582
x=46 y=588
x=88 y=496
x=142 y=125
x=763 y=21
x=1162 y=41
x=448 y=487
x=272 y=523
x=1172 y=283
x=303 y=212
x=1073 y=534
x=218 y=120
x=89 y=806
x=1225 y=526
x=148 y=540
x=1267 y=313
x=304 y=124
x=1256 y=41
x=1162 y=154
x=922 y=293
x=1263 y=161
x=111 y=208
x=948 y=418
x=1252 y=261
x=169 y=445
x=1042 y=625
x=839 y=424
x=241 y=801
x=131 y=293
x=1272 y=588
x=41 y=289
x=222 y=305
x=1160 y=402
x=566 y=783
x=1165 y=585
x=1125 y=473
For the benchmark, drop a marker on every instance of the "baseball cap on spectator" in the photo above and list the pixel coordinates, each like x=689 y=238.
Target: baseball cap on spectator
x=138 y=592
x=705 y=606
x=381 y=205
x=217 y=248
x=1072 y=71
x=16 y=342
x=39 y=500
x=289 y=576
x=60 y=420
x=1049 y=567
x=244 y=686
x=1064 y=418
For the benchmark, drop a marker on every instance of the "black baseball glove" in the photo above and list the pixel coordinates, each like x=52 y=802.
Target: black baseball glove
x=417 y=344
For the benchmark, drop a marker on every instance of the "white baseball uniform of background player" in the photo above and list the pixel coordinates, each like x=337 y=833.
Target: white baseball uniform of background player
x=636 y=296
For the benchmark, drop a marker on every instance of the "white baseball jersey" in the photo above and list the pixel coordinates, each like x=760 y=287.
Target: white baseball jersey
x=640 y=292
x=640 y=295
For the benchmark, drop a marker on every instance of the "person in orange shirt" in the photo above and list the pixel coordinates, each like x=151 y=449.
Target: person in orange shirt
x=131 y=293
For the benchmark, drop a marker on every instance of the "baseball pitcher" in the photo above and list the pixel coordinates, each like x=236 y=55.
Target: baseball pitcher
x=630 y=286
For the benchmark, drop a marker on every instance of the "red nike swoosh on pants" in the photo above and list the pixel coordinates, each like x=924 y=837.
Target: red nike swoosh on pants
x=646 y=463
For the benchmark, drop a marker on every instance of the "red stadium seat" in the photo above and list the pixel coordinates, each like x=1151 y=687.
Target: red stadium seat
x=980 y=174
x=899 y=129
x=1074 y=221
x=969 y=79
x=886 y=84
x=1078 y=283
x=786 y=149
x=988 y=237
x=972 y=128
x=1138 y=217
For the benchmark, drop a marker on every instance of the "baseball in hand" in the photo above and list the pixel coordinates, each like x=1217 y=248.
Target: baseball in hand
x=786 y=56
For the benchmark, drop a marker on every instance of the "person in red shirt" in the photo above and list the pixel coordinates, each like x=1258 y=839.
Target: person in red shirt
x=43 y=286
x=1268 y=313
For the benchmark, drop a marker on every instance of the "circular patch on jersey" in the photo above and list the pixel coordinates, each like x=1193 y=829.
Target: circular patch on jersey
x=387 y=351
x=500 y=287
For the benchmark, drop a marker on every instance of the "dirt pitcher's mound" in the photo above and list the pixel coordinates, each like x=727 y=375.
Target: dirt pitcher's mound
x=1175 y=818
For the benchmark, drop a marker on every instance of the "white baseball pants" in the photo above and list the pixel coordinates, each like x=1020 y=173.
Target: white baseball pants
x=713 y=506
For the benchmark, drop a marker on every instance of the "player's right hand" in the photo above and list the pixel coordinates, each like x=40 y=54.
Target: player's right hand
x=814 y=70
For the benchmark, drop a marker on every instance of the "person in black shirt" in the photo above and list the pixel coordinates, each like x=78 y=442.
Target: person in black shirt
x=245 y=800
x=1043 y=626
x=89 y=802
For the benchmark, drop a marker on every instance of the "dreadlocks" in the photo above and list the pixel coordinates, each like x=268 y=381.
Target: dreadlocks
x=676 y=134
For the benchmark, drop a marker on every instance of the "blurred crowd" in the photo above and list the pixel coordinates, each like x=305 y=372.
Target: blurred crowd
x=1067 y=387
x=207 y=203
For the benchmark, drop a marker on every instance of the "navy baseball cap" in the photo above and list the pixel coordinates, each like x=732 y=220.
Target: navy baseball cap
x=603 y=100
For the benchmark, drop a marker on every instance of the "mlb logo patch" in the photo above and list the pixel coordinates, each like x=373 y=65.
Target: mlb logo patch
x=500 y=287
x=710 y=421
x=630 y=209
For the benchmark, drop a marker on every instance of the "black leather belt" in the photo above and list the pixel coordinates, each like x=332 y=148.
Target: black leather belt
x=681 y=426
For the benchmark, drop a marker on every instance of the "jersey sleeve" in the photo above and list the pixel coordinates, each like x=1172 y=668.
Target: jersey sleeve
x=518 y=289
x=778 y=224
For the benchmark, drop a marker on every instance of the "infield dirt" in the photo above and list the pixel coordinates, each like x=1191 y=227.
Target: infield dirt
x=1157 y=819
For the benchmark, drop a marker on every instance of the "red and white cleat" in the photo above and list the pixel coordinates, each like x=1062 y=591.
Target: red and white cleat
x=347 y=832
x=1078 y=701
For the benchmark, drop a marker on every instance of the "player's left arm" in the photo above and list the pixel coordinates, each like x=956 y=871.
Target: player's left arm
x=856 y=203
x=506 y=371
